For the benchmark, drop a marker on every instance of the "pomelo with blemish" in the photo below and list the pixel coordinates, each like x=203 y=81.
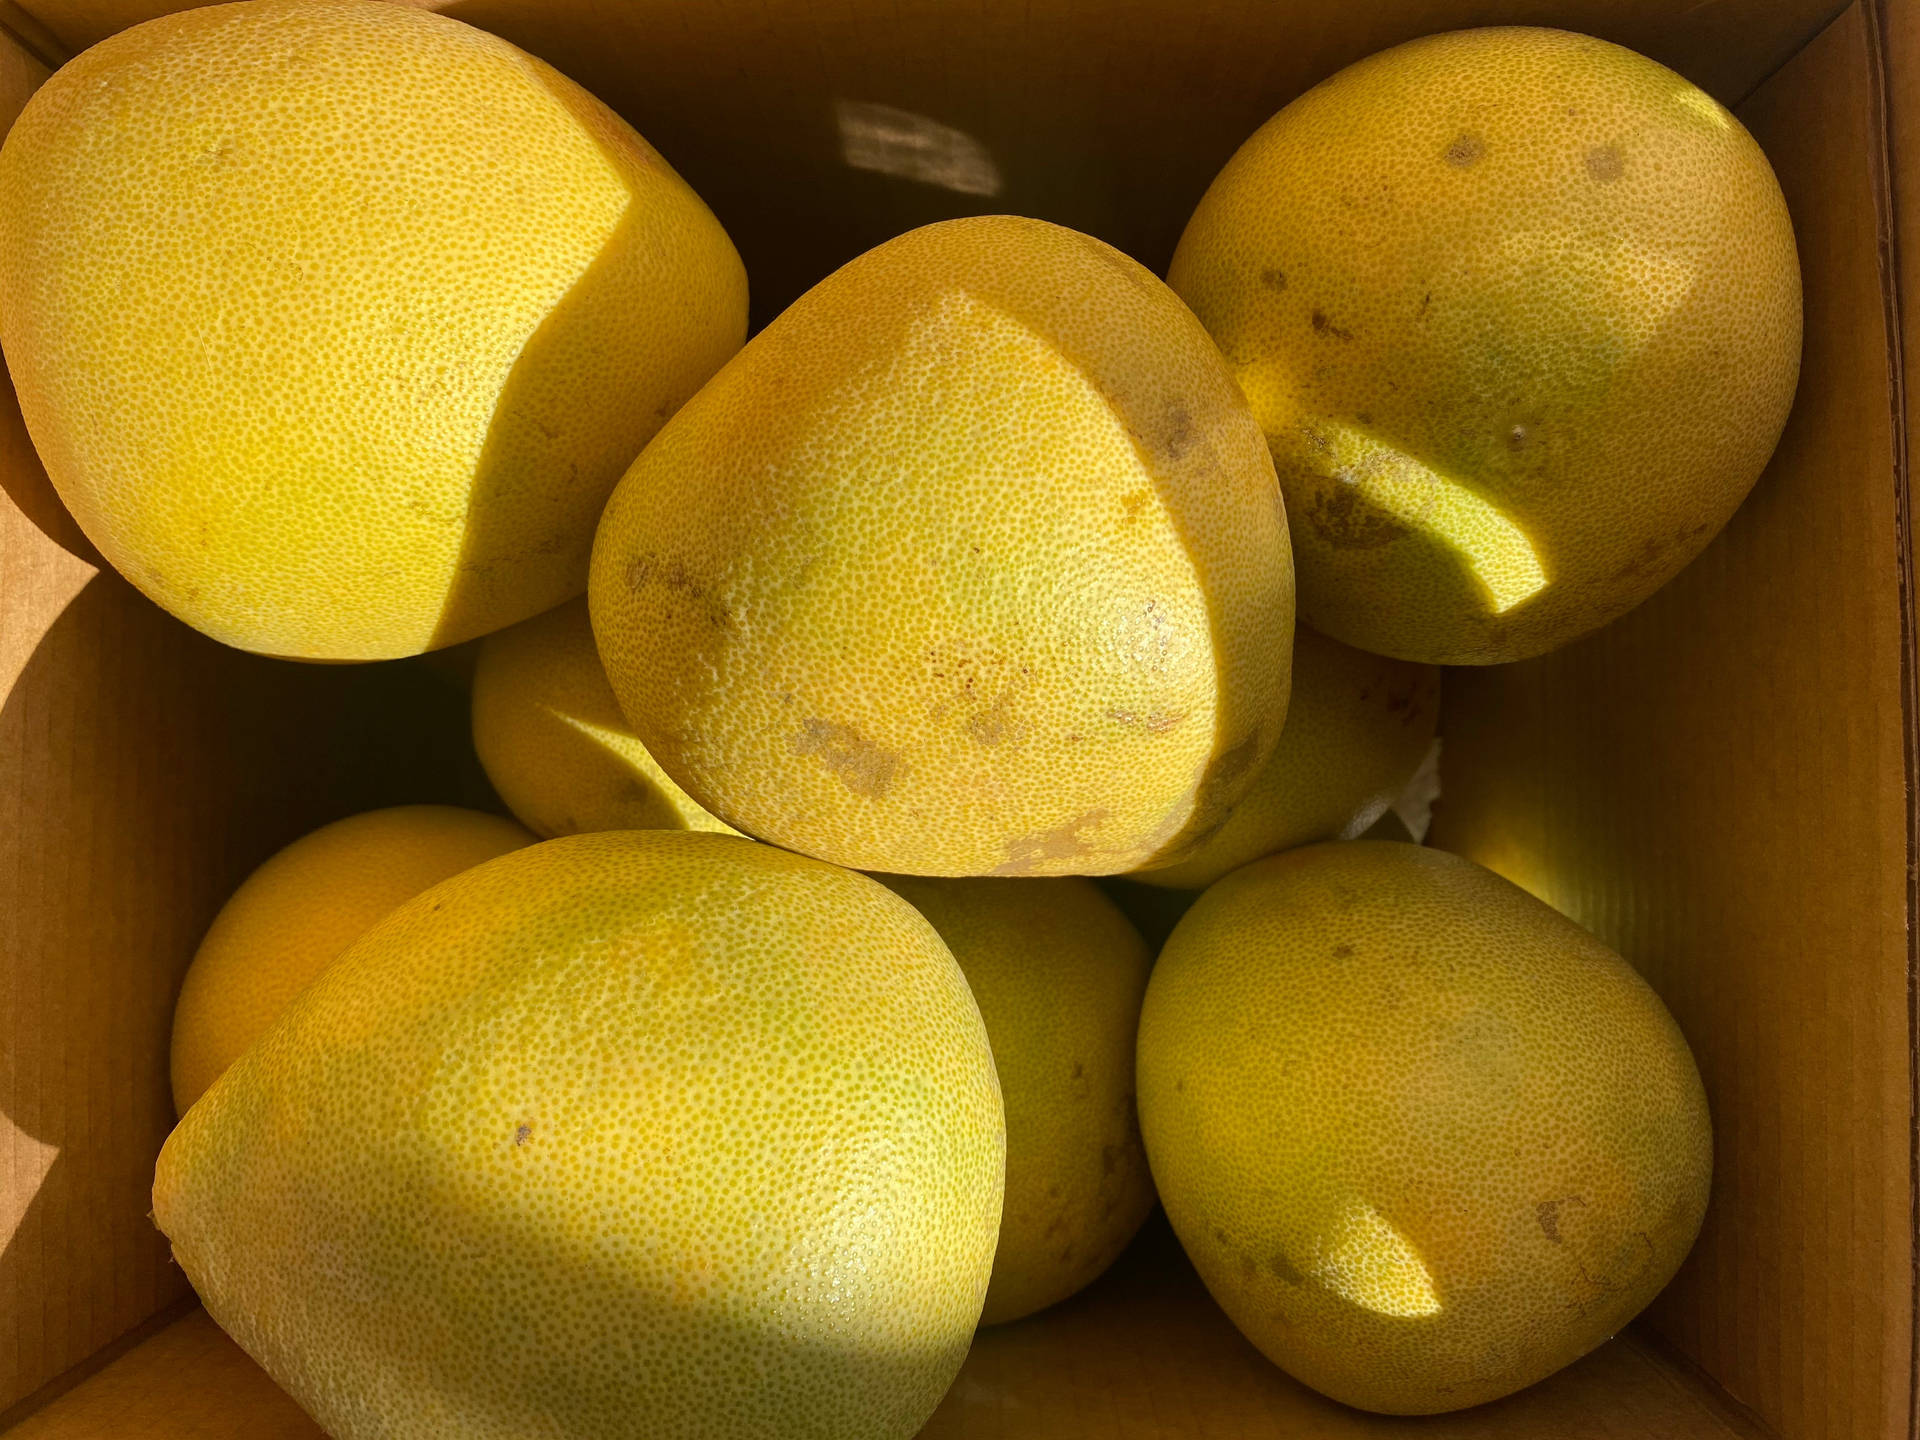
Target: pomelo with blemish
x=972 y=562
x=1519 y=313
x=1425 y=1139
x=635 y=1133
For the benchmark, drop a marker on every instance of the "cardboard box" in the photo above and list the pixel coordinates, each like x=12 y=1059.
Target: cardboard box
x=1720 y=784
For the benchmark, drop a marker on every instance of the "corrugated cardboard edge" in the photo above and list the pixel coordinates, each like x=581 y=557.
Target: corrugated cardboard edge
x=1881 y=46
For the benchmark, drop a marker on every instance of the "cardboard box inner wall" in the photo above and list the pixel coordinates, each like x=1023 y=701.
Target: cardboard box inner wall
x=1719 y=784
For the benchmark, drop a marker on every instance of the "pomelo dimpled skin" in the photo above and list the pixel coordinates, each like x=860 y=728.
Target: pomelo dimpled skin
x=640 y=1134
x=554 y=743
x=335 y=322
x=293 y=917
x=1059 y=973
x=1358 y=726
x=1519 y=313
x=972 y=562
x=1425 y=1139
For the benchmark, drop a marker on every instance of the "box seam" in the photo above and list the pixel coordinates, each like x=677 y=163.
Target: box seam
x=1884 y=175
x=1839 y=9
x=75 y=1375
x=20 y=26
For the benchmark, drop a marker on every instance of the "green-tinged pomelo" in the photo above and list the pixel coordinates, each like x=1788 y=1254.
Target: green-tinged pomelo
x=644 y=1133
x=972 y=562
x=1058 y=973
x=1425 y=1139
x=335 y=322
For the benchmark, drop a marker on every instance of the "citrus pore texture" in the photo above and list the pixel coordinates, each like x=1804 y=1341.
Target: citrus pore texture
x=1059 y=974
x=293 y=917
x=1358 y=726
x=971 y=562
x=1425 y=1139
x=335 y=322
x=554 y=743
x=1519 y=312
x=644 y=1133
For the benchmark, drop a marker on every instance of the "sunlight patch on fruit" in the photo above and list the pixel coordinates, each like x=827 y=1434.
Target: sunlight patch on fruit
x=1496 y=551
x=1691 y=97
x=599 y=734
x=1367 y=1262
x=1613 y=297
x=891 y=141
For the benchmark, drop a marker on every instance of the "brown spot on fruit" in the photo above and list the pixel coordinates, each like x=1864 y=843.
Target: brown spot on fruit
x=1273 y=279
x=1604 y=163
x=1232 y=762
x=1464 y=150
x=1324 y=326
x=648 y=569
x=1179 y=436
x=995 y=724
x=1644 y=560
x=861 y=765
x=1547 y=1212
x=522 y=1133
x=1029 y=853
x=1342 y=517
x=1284 y=1269
x=1343 y=952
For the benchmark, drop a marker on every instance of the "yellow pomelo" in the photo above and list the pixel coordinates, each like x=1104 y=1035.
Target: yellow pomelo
x=1358 y=726
x=1519 y=312
x=335 y=322
x=293 y=917
x=1059 y=974
x=972 y=562
x=1425 y=1139
x=643 y=1133
x=553 y=740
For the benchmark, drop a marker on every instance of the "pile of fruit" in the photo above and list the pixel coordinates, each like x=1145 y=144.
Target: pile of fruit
x=786 y=1043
